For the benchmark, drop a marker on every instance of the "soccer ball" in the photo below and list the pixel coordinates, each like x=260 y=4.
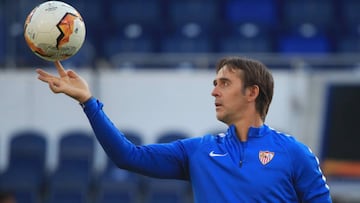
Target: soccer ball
x=54 y=31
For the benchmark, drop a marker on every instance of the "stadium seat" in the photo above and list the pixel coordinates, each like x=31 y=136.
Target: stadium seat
x=205 y=13
x=248 y=38
x=261 y=12
x=75 y=162
x=26 y=171
x=298 y=44
x=236 y=44
x=298 y=12
x=118 y=185
x=171 y=135
x=68 y=195
x=188 y=38
x=165 y=191
x=348 y=44
x=350 y=16
x=115 y=193
x=123 y=12
x=180 y=44
x=27 y=196
x=130 y=39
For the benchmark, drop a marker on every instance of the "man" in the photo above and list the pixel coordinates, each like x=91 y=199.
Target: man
x=249 y=163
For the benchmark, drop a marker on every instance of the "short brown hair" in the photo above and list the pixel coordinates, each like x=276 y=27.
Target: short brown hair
x=255 y=73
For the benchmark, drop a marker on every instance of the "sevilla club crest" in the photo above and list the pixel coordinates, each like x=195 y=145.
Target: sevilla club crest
x=265 y=156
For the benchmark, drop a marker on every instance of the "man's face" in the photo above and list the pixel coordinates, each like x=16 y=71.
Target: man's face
x=230 y=97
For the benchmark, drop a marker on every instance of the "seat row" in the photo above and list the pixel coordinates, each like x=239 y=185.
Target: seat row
x=115 y=27
x=74 y=180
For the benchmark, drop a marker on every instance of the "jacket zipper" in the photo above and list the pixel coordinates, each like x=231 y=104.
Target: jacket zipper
x=242 y=153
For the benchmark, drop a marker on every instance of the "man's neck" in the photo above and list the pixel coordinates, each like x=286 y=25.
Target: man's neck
x=242 y=127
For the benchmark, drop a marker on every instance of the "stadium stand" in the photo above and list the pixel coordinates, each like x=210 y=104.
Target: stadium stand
x=116 y=28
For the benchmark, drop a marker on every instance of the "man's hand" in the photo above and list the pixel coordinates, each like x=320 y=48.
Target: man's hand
x=68 y=83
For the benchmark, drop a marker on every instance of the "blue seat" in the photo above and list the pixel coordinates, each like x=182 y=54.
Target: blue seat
x=134 y=136
x=75 y=161
x=247 y=37
x=120 y=45
x=261 y=12
x=68 y=195
x=27 y=196
x=348 y=44
x=298 y=12
x=189 y=11
x=26 y=172
x=130 y=38
x=236 y=44
x=124 y=192
x=118 y=185
x=27 y=165
x=135 y=11
x=171 y=135
x=349 y=15
x=179 y=44
x=293 y=43
x=189 y=38
x=165 y=191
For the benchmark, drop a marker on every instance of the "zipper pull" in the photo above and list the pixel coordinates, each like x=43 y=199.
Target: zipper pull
x=240 y=163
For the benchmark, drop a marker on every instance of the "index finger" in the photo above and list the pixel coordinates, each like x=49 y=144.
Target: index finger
x=60 y=69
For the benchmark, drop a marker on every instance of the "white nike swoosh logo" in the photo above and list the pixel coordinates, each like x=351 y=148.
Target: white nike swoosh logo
x=213 y=154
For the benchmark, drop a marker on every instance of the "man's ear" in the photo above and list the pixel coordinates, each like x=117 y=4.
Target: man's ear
x=252 y=92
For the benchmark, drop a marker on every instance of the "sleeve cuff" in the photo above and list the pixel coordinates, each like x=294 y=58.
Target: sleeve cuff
x=88 y=102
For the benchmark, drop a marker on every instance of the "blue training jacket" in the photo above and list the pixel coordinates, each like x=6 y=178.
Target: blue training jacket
x=268 y=167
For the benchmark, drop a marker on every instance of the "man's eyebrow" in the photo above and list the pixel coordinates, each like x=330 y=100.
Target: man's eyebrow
x=222 y=79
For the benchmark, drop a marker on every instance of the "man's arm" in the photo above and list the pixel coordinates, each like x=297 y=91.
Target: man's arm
x=310 y=183
x=156 y=160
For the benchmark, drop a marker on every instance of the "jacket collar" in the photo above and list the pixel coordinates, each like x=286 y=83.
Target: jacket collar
x=253 y=131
